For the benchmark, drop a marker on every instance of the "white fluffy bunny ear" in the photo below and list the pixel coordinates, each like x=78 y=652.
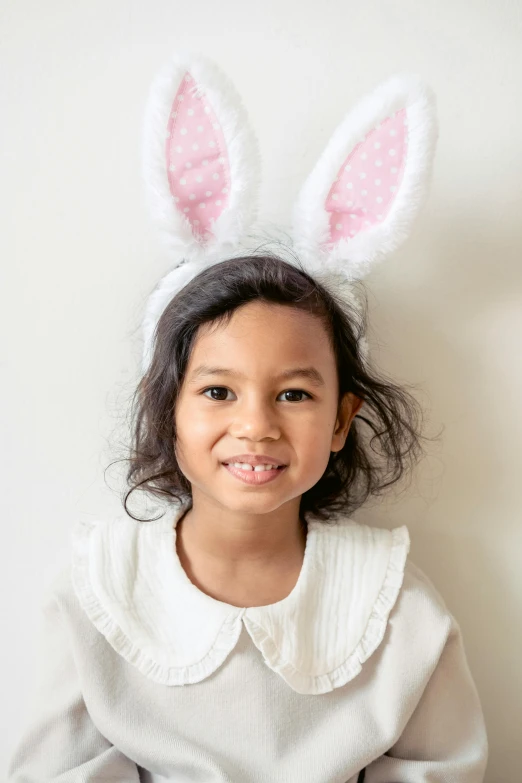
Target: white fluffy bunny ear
x=200 y=159
x=360 y=201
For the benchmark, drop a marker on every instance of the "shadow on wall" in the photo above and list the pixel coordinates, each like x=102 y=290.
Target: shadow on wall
x=457 y=334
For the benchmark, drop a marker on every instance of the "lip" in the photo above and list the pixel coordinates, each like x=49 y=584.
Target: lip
x=255 y=459
x=255 y=477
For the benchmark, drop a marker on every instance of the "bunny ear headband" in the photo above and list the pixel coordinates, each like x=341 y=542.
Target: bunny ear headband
x=201 y=169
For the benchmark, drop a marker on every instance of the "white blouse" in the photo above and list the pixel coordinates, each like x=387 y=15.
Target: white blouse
x=359 y=673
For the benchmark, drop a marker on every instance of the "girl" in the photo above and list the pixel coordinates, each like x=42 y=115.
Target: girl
x=255 y=632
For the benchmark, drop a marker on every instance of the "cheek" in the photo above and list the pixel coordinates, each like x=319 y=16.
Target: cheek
x=203 y=426
x=196 y=428
x=312 y=446
x=318 y=456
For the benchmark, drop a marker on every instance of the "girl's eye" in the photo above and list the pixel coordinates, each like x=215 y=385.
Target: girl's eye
x=224 y=389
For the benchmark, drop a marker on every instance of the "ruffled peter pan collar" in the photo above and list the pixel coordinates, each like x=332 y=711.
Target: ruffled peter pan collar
x=131 y=584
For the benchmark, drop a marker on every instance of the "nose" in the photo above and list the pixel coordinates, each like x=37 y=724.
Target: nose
x=255 y=419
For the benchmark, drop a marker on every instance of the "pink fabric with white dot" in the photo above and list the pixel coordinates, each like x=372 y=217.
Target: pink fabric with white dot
x=368 y=180
x=197 y=161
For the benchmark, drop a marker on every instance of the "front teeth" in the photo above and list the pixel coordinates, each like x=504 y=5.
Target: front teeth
x=258 y=468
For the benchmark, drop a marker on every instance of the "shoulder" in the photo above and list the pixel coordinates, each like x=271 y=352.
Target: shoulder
x=420 y=590
x=57 y=591
x=421 y=623
x=414 y=592
x=406 y=607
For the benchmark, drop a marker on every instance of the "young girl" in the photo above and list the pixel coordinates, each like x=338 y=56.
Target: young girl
x=255 y=632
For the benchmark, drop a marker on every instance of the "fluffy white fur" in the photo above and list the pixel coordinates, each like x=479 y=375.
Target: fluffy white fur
x=355 y=256
x=335 y=268
x=242 y=151
x=161 y=296
x=231 y=228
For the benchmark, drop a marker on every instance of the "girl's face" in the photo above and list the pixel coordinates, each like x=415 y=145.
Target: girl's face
x=246 y=407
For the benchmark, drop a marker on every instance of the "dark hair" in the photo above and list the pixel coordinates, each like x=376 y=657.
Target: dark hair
x=353 y=473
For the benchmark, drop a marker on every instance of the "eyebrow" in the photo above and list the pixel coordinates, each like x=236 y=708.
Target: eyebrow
x=310 y=373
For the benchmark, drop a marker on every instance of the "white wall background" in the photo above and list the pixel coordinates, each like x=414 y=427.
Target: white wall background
x=79 y=258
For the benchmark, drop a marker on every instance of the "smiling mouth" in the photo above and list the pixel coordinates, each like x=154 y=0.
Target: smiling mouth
x=256 y=468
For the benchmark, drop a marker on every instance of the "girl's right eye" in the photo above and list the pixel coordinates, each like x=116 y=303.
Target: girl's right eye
x=223 y=388
x=213 y=388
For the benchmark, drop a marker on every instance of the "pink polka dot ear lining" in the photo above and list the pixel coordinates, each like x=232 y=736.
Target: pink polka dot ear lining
x=196 y=157
x=364 y=189
x=201 y=168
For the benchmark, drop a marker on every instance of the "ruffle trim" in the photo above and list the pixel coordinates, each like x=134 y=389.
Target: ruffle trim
x=224 y=643
x=370 y=640
x=228 y=635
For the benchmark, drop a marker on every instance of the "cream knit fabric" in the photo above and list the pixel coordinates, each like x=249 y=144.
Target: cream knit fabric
x=146 y=678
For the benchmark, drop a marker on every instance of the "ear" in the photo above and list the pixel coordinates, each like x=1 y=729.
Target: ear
x=200 y=159
x=360 y=201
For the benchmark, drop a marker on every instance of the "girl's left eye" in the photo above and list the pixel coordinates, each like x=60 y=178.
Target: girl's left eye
x=288 y=391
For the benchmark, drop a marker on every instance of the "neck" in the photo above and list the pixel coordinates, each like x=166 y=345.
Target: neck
x=237 y=541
